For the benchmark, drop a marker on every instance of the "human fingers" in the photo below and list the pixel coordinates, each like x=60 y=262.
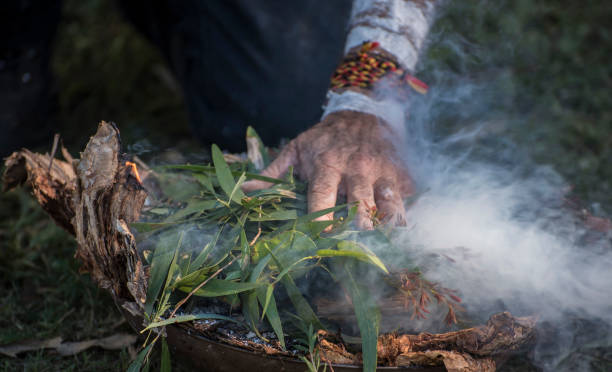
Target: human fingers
x=323 y=189
x=359 y=189
x=285 y=159
x=389 y=203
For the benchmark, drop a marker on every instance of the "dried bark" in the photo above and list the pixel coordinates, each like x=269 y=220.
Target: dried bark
x=467 y=350
x=502 y=334
x=52 y=187
x=94 y=198
x=451 y=360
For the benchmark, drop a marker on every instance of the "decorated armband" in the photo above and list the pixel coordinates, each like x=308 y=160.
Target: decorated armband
x=382 y=49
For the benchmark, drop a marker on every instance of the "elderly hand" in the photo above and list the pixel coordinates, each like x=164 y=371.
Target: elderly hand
x=348 y=153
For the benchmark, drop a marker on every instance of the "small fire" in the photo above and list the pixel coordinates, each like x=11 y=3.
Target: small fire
x=133 y=170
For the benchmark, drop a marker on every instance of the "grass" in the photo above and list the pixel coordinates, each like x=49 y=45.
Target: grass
x=43 y=295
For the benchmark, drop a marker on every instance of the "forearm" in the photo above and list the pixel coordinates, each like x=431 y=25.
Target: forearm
x=400 y=28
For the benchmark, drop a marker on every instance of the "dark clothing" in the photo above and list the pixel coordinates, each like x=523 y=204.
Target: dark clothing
x=263 y=63
x=27 y=116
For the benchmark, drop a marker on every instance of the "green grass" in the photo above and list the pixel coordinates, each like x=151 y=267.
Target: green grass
x=42 y=294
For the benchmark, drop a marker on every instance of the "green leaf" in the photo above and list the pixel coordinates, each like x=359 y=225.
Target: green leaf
x=166 y=366
x=160 y=263
x=136 y=365
x=245 y=249
x=252 y=134
x=173 y=265
x=307 y=218
x=258 y=269
x=278 y=215
x=354 y=250
x=224 y=176
x=188 y=318
x=209 y=169
x=178 y=187
x=299 y=302
x=143 y=227
x=220 y=287
x=205 y=181
x=266 y=302
x=271 y=313
x=159 y=211
x=203 y=255
x=193 y=206
x=250 y=309
x=237 y=190
x=367 y=313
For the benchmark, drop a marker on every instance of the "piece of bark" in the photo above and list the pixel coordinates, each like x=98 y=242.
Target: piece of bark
x=332 y=349
x=451 y=360
x=502 y=334
x=107 y=198
x=94 y=198
x=472 y=349
x=53 y=188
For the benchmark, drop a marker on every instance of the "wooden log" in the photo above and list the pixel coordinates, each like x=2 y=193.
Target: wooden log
x=94 y=198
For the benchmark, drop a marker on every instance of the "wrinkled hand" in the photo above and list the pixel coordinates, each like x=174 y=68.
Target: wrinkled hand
x=348 y=153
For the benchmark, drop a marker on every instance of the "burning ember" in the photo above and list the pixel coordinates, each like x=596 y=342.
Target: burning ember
x=133 y=170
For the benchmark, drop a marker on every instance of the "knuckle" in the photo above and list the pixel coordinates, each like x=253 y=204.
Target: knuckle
x=362 y=163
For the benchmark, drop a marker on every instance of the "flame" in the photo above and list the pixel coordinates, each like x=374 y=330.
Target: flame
x=134 y=170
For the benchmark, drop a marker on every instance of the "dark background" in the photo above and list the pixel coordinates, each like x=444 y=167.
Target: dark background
x=542 y=69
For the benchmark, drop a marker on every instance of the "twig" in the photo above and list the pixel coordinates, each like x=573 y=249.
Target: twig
x=53 y=150
x=256 y=236
x=182 y=302
x=258 y=230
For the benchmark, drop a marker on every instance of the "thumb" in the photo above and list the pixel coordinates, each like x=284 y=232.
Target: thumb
x=287 y=158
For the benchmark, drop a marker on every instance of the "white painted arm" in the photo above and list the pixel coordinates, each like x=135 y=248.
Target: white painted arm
x=400 y=27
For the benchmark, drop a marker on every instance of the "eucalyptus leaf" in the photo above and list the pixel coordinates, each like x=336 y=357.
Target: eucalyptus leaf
x=166 y=365
x=252 y=136
x=138 y=363
x=281 y=215
x=193 y=206
x=225 y=177
x=271 y=313
x=299 y=302
x=367 y=313
x=353 y=250
x=220 y=287
x=160 y=263
x=210 y=169
x=203 y=255
x=189 y=318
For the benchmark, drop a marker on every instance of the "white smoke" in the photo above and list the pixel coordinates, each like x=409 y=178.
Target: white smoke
x=496 y=224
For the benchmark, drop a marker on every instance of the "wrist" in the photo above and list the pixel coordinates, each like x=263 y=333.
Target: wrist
x=372 y=81
x=390 y=111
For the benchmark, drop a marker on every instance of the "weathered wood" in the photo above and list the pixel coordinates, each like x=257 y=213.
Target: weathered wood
x=53 y=188
x=472 y=349
x=94 y=198
x=502 y=335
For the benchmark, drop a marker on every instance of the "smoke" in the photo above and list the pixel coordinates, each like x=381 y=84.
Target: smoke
x=490 y=222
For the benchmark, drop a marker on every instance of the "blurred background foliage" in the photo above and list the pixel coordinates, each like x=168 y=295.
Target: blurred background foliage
x=542 y=68
x=539 y=74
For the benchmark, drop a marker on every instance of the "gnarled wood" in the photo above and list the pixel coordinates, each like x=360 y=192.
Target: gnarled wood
x=94 y=198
